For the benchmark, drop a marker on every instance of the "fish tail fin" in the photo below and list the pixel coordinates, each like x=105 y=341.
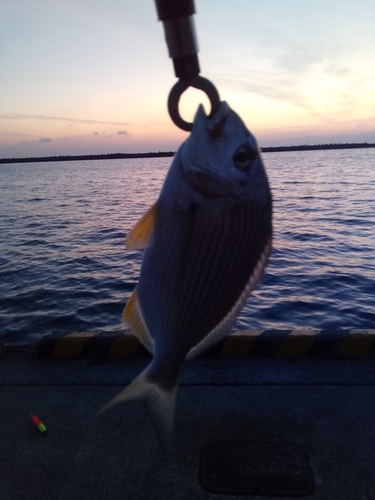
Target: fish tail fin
x=159 y=401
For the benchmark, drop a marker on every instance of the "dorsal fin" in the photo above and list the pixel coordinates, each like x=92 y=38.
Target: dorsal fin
x=133 y=316
x=140 y=235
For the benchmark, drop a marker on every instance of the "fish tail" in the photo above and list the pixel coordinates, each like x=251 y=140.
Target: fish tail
x=159 y=401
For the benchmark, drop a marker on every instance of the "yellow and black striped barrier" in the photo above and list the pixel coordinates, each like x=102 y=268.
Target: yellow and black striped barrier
x=334 y=344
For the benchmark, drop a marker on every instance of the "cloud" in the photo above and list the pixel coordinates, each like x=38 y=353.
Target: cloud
x=18 y=134
x=19 y=116
x=45 y=139
x=122 y=132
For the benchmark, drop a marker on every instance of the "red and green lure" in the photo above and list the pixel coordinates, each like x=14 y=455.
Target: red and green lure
x=39 y=424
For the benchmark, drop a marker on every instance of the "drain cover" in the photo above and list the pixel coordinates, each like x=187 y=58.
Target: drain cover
x=238 y=468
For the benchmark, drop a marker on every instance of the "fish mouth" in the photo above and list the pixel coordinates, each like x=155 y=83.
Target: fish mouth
x=215 y=129
x=216 y=123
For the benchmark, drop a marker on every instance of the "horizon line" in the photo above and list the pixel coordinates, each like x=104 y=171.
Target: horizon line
x=161 y=154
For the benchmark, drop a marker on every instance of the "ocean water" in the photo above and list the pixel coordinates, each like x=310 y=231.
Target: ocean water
x=64 y=266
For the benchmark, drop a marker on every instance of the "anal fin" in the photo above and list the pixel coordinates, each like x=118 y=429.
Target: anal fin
x=133 y=316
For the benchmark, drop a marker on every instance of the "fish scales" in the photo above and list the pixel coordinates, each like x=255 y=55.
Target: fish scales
x=197 y=275
x=208 y=239
x=236 y=265
x=222 y=269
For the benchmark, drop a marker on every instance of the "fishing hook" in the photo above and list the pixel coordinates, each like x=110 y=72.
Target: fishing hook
x=181 y=39
x=179 y=88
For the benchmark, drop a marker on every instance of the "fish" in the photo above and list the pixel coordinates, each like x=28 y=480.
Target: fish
x=207 y=241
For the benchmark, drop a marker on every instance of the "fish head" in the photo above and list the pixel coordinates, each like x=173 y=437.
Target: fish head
x=221 y=157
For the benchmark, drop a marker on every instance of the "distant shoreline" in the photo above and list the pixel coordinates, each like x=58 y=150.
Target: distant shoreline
x=164 y=154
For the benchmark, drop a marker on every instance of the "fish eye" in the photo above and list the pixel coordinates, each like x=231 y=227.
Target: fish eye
x=244 y=156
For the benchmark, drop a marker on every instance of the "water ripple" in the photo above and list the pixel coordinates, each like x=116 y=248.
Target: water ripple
x=64 y=266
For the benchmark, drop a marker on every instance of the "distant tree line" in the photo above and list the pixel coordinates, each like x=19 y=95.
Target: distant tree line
x=307 y=147
x=163 y=154
x=109 y=156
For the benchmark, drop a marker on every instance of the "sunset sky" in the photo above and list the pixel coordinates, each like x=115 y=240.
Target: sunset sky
x=93 y=76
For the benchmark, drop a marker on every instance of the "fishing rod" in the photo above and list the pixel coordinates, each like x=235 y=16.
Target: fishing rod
x=181 y=39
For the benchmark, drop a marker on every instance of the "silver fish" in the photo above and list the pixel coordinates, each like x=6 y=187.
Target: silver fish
x=208 y=240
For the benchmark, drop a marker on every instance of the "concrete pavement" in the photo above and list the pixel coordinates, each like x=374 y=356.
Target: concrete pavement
x=324 y=407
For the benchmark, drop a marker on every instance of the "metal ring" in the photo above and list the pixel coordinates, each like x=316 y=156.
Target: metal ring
x=179 y=88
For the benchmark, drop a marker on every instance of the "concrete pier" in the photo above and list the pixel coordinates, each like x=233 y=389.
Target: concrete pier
x=324 y=407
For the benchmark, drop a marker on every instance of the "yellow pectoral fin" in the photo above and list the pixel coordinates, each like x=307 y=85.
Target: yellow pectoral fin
x=133 y=316
x=140 y=235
